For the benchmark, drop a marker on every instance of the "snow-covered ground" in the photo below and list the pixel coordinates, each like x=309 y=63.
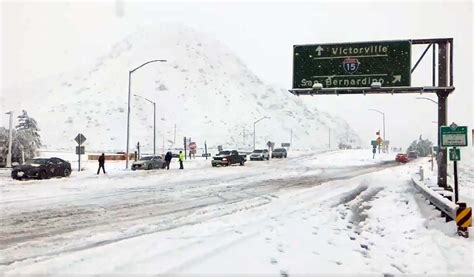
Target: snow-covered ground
x=331 y=212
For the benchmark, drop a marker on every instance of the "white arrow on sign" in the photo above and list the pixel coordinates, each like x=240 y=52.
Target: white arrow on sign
x=396 y=78
x=319 y=49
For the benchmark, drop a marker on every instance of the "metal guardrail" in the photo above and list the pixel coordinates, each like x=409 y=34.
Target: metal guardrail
x=436 y=197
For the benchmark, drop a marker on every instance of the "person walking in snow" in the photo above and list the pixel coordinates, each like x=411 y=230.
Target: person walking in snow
x=181 y=159
x=168 y=158
x=101 y=163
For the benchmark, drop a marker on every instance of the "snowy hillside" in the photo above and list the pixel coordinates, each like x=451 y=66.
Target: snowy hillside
x=203 y=88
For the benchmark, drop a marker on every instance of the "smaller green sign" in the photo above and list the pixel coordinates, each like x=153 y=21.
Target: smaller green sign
x=373 y=143
x=453 y=136
x=454 y=154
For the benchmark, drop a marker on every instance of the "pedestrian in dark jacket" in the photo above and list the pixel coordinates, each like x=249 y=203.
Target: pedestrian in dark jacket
x=168 y=158
x=101 y=163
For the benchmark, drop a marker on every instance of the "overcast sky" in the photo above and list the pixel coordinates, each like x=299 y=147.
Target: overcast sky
x=40 y=39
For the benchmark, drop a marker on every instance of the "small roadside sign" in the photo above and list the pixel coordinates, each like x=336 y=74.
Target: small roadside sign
x=454 y=154
x=80 y=139
x=80 y=150
x=453 y=136
x=379 y=141
x=373 y=143
x=285 y=144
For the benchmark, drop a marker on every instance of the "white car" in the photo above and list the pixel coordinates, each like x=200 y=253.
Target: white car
x=260 y=154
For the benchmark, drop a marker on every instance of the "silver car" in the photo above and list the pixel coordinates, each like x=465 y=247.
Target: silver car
x=259 y=154
x=148 y=163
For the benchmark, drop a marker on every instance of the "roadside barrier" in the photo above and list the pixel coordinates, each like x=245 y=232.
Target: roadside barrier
x=442 y=200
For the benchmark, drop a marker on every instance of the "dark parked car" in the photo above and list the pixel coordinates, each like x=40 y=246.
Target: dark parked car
x=42 y=168
x=279 y=153
x=226 y=158
x=401 y=158
x=148 y=163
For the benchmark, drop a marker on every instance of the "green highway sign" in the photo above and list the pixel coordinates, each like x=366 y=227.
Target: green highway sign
x=453 y=136
x=454 y=154
x=352 y=64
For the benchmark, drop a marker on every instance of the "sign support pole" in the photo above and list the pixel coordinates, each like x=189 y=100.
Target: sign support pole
x=79 y=160
x=456 y=194
x=442 y=112
x=79 y=156
x=205 y=148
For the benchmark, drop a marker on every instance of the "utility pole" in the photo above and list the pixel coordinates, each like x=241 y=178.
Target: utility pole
x=10 y=140
x=185 y=148
x=442 y=111
x=291 y=137
x=174 y=139
x=154 y=129
x=347 y=134
x=163 y=147
x=329 y=138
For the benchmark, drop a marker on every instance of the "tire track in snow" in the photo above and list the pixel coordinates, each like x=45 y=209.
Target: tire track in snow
x=225 y=196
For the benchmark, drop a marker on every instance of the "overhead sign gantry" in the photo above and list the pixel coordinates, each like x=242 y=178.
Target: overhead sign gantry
x=376 y=67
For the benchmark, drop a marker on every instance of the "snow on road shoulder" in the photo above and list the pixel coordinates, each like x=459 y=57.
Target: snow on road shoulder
x=355 y=157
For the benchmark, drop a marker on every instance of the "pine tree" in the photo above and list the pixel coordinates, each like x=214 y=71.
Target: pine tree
x=27 y=136
x=421 y=146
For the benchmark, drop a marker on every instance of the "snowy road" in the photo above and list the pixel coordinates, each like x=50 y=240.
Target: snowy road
x=189 y=221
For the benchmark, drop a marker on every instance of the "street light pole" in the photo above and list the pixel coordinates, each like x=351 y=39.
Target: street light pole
x=265 y=117
x=383 y=120
x=154 y=121
x=10 y=140
x=128 y=107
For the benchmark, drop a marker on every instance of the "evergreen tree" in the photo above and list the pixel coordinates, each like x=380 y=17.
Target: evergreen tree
x=421 y=146
x=28 y=128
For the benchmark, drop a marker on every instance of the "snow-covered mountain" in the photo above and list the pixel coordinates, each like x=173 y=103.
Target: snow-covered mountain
x=203 y=88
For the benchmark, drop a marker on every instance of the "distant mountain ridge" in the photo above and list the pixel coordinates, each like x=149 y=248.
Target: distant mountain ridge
x=203 y=88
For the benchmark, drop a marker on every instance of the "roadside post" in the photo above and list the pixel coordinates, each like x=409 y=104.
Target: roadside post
x=185 y=148
x=205 y=148
x=138 y=151
x=463 y=219
x=80 y=150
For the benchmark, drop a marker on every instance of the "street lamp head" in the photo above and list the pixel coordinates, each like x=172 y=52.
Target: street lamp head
x=317 y=86
x=376 y=85
x=376 y=111
x=426 y=98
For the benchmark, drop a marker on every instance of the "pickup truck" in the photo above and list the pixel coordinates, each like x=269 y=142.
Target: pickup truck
x=226 y=158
